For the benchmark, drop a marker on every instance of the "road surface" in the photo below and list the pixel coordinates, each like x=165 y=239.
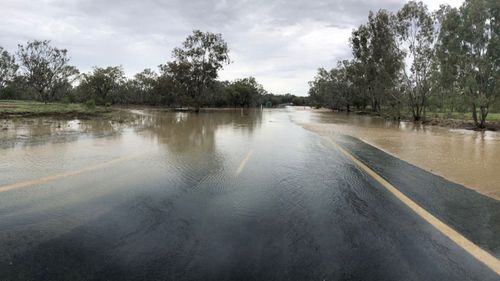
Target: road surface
x=231 y=196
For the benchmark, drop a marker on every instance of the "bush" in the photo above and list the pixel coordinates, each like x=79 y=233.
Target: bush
x=66 y=100
x=90 y=104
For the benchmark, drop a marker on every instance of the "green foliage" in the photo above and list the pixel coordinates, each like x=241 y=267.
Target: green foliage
x=45 y=68
x=190 y=80
x=8 y=68
x=377 y=59
x=417 y=38
x=448 y=60
x=90 y=104
x=104 y=85
x=66 y=100
x=199 y=59
x=244 y=92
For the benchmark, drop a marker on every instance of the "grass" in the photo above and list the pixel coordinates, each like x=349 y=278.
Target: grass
x=492 y=117
x=33 y=108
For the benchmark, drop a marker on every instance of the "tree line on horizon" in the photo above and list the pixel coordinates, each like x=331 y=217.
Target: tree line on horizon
x=414 y=61
x=40 y=71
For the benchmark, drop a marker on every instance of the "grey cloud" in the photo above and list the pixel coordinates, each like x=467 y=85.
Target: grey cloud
x=280 y=42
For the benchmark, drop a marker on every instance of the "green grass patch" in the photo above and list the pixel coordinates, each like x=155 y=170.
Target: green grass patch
x=492 y=117
x=33 y=108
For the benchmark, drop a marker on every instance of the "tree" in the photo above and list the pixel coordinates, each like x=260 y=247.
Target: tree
x=143 y=86
x=8 y=68
x=417 y=34
x=176 y=84
x=104 y=85
x=480 y=56
x=204 y=54
x=45 y=68
x=447 y=54
x=374 y=48
x=355 y=72
x=468 y=54
x=335 y=88
x=244 y=92
x=320 y=89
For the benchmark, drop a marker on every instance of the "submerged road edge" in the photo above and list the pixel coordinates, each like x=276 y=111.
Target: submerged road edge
x=477 y=252
x=22 y=184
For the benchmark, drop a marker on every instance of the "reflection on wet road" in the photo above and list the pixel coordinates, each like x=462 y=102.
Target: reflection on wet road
x=223 y=196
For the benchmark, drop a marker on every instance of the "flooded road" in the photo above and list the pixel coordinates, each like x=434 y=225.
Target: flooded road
x=463 y=156
x=225 y=195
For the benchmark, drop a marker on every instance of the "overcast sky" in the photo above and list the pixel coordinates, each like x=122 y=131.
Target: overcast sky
x=281 y=43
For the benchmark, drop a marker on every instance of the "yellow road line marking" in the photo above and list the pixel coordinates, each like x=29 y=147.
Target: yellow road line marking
x=483 y=256
x=244 y=162
x=50 y=178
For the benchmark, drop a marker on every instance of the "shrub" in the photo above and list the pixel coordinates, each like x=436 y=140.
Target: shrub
x=90 y=104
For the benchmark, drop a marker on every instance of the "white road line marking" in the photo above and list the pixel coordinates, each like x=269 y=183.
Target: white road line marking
x=483 y=256
x=244 y=162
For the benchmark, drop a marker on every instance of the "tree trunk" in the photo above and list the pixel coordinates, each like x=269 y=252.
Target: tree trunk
x=474 y=115
x=484 y=113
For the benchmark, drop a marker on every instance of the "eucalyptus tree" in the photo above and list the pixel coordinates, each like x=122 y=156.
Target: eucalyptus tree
x=342 y=85
x=143 y=87
x=333 y=88
x=375 y=49
x=244 y=92
x=417 y=37
x=104 y=85
x=204 y=54
x=8 y=67
x=321 y=89
x=45 y=68
x=176 y=85
x=447 y=55
x=355 y=74
x=479 y=65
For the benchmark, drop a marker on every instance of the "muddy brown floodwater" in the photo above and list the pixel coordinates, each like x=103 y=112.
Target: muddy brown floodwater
x=466 y=157
x=241 y=195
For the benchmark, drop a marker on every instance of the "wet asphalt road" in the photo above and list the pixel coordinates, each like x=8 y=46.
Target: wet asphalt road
x=220 y=196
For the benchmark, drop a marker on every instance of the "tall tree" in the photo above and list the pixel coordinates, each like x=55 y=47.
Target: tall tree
x=417 y=37
x=143 y=86
x=204 y=54
x=333 y=89
x=374 y=47
x=104 y=85
x=45 y=68
x=447 y=54
x=244 y=92
x=321 y=89
x=8 y=67
x=480 y=56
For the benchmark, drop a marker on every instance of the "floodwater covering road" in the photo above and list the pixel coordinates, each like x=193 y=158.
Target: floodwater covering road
x=227 y=195
x=468 y=157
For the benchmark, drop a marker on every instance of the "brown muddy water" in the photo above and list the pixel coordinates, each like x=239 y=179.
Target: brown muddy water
x=237 y=195
x=466 y=157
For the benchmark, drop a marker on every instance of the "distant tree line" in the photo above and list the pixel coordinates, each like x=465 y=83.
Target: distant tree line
x=40 y=71
x=416 y=60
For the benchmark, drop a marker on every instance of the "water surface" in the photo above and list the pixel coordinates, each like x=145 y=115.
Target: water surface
x=223 y=195
x=467 y=157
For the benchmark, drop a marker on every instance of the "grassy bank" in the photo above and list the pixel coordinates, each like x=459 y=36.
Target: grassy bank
x=16 y=108
x=467 y=116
